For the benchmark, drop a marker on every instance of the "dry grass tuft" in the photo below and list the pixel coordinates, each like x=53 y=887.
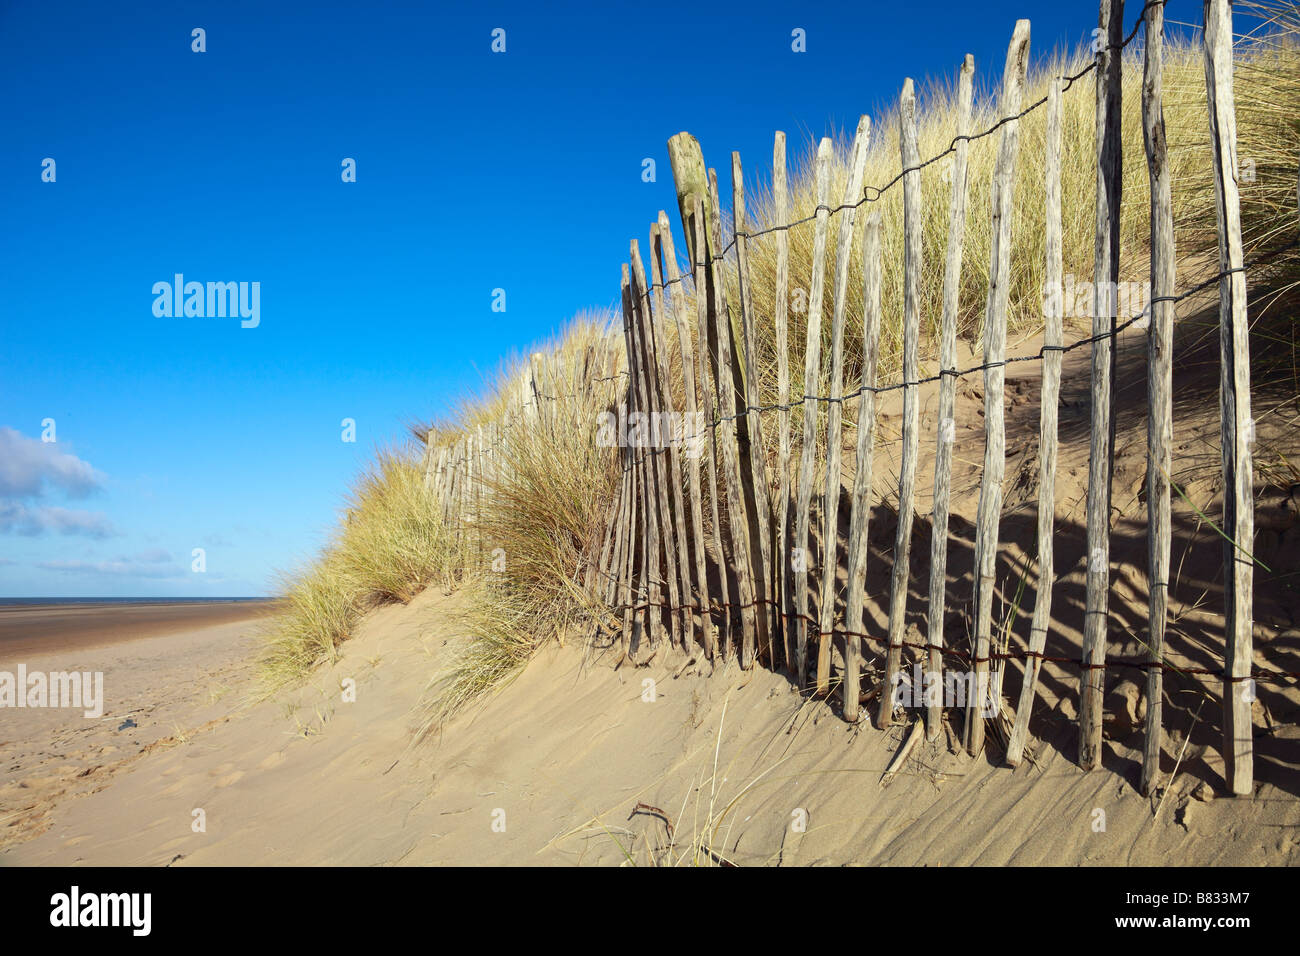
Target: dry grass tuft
x=547 y=503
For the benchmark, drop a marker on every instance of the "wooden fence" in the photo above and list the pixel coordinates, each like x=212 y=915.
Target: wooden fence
x=710 y=546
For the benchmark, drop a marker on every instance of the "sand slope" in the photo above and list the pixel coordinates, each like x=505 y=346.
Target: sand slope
x=566 y=752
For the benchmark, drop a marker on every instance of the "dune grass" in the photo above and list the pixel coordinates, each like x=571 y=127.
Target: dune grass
x=389 y=547
x=545 y=506
x=1267 y=95
x=549 y=501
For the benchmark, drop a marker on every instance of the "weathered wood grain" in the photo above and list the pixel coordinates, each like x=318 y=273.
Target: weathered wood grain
x=1160 y=400
x=947 y=399
x=900 y=577
x=1236 y=426
x=811 y=385
x=651 y=447
x=834 y=409
x=696 y=439
x=861 y=507
x=758 y=498
x=669 y=446
x=780 y=305
x=995 y=343
x=1102 y=448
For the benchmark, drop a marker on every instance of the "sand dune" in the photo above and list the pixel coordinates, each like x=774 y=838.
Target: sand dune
x=551 y=770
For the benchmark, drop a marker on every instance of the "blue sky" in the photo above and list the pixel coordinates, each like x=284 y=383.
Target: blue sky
x=475 y=171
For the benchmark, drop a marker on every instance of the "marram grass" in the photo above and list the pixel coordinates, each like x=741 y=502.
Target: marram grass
x=548 y=506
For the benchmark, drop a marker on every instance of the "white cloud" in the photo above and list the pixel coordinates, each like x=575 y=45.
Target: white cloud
x=153 y=556
x=28 y=465
x=19 y=519
x=136 y=567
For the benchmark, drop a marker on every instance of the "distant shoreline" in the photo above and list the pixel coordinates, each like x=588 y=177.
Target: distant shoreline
x=6 y=602
x=41 y=626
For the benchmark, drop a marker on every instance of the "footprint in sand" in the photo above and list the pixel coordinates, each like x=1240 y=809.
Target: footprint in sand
x=229 y=779
x=274 y=760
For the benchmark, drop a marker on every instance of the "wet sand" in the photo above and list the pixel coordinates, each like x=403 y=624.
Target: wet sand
x=43 y=629
x=156 y=691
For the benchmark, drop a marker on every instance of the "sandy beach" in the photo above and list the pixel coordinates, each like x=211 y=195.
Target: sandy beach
x=164 y=668
x=571 y=763
x=30 y=629
x=920 y=488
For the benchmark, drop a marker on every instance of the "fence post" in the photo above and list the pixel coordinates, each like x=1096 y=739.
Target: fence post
x=899 y=579
x=861 y=510
x=679 y=562
x=1237 y=427
x=609 y=547
x=995 y=344
x=811 y=381
x=1053 y=336
x=664 y=557
x=650 y=594
x=758 y=500
x=834 y=451
x=627 y=598
x=610 y=564
x=780 y=209
x=703 y=363
x=751 y=624
x=480 y=462
x=697 y=441
x=947 y=402
x=1159 y=385
x=1100 y=465
x=694 y=202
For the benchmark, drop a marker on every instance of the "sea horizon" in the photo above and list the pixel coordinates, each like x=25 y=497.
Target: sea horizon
x=38 y=601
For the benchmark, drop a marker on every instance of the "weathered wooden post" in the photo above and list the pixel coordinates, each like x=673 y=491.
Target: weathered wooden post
x=861 y=509
x=995 y=344
x=758 y=498
x=649 y=538
x=703 y=364
x=1100 y=465
x=834 y=435
x=1160 y=404
x=696 y=438
x=1237 y=427
x=664 y=563
x=947 y=434
x=1047 y=426
x=899 y=579
x=780 y=209
x=811 y=381
x=670 y=447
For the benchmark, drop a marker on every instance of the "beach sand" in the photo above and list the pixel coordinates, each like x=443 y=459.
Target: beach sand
x=573 y=761
x=163 y=666
x=32 y=629
x=552 y=769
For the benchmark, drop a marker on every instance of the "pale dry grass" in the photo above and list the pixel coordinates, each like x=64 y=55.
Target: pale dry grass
x=546 y=507
x=389 y=547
